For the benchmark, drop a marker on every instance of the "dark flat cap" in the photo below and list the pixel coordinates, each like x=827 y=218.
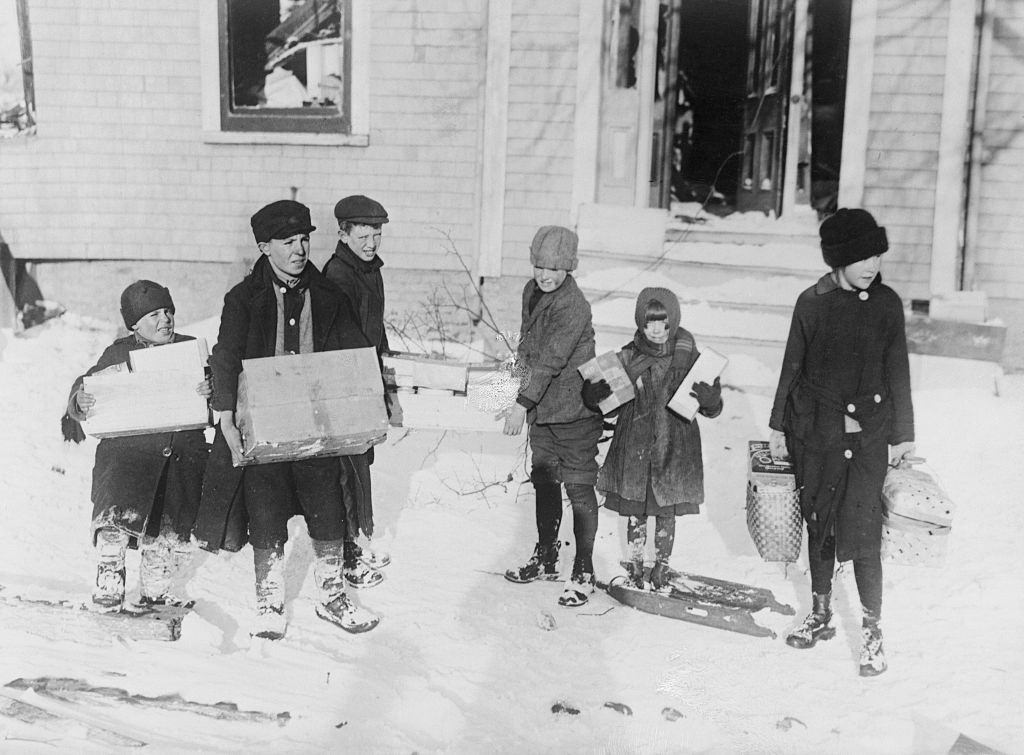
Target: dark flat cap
x=360 y=209
x=281 y=219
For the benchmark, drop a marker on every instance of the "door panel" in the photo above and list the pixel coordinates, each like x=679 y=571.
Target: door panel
x=770 y=29
x=620 y=103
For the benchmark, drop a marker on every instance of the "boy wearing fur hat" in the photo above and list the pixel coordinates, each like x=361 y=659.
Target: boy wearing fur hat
x=843 y=412
x=556 y=337
x=355 y=269
x=145 y=488
x=654 y=466
x=284 y=306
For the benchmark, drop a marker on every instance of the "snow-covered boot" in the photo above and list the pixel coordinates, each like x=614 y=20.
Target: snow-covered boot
x=660 y=575
x=357 y=573
x=269 y=566
x=333 y=603
x=161 y=561
x=372 y=557
x=111 y=545
x=577 y=590
x=543 y=564
x=815 y=626
x=872 y=655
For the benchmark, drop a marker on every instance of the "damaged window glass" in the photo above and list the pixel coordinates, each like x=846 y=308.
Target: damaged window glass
x=285 y=61
x=17 y=98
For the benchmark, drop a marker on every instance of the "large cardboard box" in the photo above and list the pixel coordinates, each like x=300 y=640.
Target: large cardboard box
x=301 y=406
x=609 y=367
x=158 y=395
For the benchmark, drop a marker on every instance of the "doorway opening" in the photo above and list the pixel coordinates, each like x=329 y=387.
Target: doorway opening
x=723 y=106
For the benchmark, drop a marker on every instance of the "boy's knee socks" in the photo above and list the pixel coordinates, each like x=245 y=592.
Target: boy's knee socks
x=548 y=511
x=584 y=523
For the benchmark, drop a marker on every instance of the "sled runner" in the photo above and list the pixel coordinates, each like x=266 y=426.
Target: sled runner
x=136 y=622
x=723 y=592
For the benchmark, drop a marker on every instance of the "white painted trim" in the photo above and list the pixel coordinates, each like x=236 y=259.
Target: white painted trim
x=953 y=141
x=795 y=104
x=495 y=141
x=359 y=77
x=646 y=71
x=209 y=64
x=860 y=67
x=286 y=137
x=587 y=127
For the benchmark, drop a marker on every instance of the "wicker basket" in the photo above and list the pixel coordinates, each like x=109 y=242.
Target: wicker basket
x=774 y=521
x=913 y=493
x=912 y=542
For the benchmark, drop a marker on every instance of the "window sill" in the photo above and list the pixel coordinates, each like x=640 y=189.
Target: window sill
x=270 y=137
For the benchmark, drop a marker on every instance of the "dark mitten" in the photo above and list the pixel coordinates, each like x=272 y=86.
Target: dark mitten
x=71 y=429
x=708 y=396
x=595 y=393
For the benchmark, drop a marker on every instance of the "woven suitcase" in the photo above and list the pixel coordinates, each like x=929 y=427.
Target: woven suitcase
x=912 y=542
x=773 y=506
x=913 y=493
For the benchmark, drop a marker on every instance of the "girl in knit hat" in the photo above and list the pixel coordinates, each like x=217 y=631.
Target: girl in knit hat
x=843 y=413
x=556 y=337
x=145 y=488
x=654 y=466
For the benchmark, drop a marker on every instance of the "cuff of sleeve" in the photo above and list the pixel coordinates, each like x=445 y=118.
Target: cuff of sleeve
x=525 y=402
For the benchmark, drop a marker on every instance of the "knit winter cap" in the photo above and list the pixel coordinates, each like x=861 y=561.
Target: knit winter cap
x=667 y=299
x=554 y=248
x=141 y=298
x=851 y=235
x=280 y=220
x=360 y=209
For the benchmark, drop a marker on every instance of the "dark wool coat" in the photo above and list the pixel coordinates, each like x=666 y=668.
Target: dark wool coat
x=128 y=470
x=654 y=445
x=846 y=355
x=555 y=339
x=248 y=330
x=363 y=283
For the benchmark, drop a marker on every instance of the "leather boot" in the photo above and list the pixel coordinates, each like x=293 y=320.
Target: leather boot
x=815 y=626
x=872 y=655
x=333 y=603
x=111 y=545
x=543 y=564
x=358 y=573
x=269 y=567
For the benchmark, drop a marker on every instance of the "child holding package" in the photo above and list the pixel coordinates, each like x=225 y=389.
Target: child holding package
x=843 y=411
x=556 y=337
x=654 y=465
x=145 y=488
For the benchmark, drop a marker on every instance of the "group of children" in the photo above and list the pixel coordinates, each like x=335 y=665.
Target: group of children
x=842 y=411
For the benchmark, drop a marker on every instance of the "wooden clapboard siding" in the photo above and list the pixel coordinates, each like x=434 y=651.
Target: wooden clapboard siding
x=904 y=128
x=997 y=252
x=541 y=113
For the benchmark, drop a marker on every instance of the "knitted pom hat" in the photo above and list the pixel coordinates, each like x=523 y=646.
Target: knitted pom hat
x=141 y=298
x=554 y=248
x=851 y=235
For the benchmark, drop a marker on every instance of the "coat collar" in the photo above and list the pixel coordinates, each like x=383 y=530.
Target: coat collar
x=567 y=288
x=826 y=284
x=347 y=257
x=322 y=295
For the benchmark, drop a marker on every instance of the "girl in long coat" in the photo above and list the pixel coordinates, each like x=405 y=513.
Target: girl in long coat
x=843 y=412
x=145 y=488
x=654 y=466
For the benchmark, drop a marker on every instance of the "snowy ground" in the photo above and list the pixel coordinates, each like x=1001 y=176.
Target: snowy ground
x=460 y=662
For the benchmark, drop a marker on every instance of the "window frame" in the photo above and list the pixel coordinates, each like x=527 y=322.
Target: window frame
x=282 y=126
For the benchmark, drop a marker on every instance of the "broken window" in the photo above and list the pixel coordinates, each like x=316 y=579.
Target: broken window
x=17 y=93
x=284 y=65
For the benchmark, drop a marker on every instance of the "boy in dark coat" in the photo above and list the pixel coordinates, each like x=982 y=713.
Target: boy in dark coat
x=654 y=465
x=284 y=306
x=145 y=488
x=556 y=337
x=843 y=412
x=355 y=268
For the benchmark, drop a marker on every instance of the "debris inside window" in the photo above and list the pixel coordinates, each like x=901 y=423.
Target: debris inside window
x=17 y=93
x=285 y=54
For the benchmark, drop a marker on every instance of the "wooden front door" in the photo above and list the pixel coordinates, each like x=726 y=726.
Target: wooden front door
x=770 y=38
